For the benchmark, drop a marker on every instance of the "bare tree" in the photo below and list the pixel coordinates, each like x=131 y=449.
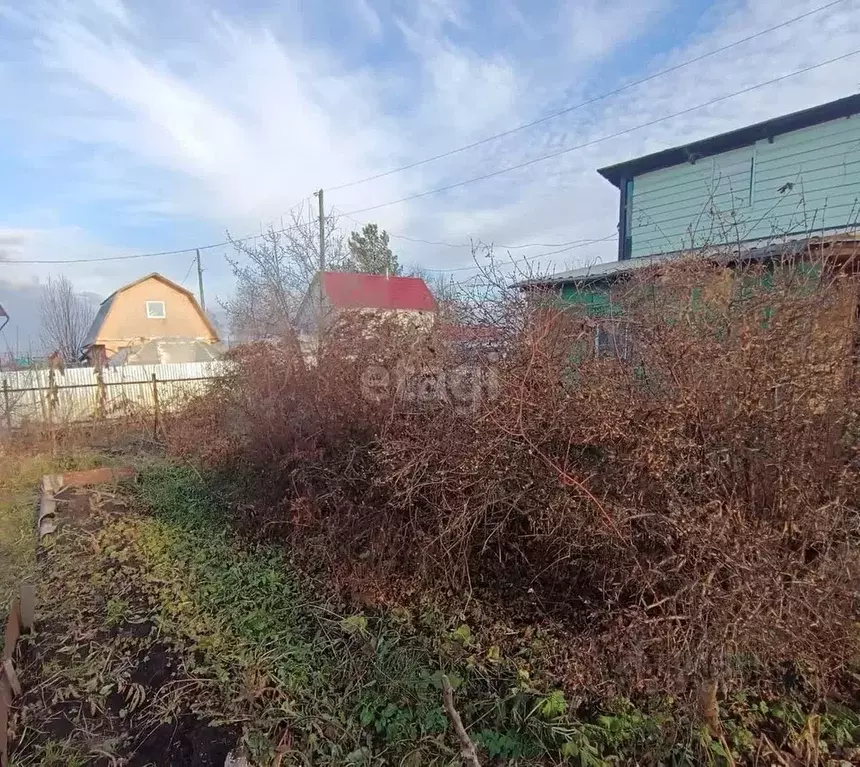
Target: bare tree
x=273 y=273
x=66 y=317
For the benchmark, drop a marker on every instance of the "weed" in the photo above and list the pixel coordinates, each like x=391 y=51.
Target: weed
x=261 y=648
x=19 y=486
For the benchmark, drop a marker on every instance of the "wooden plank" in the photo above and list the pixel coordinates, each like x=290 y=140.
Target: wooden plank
x=5 y=702
x=28 y=606
x=13 y=629
x=836 y=132
x=830 y=156
x=687 y=211
x=835 y=174
x=9 y=670
x=47 y=526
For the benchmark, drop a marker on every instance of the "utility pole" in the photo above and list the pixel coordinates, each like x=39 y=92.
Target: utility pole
x=322 y=231
x=319 y=194
x=200 y=281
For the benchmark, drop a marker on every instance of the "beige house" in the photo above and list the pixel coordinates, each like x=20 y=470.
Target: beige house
x=149 y=308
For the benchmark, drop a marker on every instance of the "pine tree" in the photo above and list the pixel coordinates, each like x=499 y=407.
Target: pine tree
x=369 y=252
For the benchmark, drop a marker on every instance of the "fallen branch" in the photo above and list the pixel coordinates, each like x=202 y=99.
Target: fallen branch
x=467 y=748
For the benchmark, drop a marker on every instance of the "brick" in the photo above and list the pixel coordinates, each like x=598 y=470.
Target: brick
x=98 y=476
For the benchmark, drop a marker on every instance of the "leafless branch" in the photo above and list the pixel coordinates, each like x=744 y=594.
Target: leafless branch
x=467 y=748
x=66 y=317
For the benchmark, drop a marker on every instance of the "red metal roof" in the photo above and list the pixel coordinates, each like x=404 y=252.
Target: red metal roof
x=356 y=290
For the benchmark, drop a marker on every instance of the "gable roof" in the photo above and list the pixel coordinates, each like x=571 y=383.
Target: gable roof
x=357 y=290
x=105 y=306
x=725 y=142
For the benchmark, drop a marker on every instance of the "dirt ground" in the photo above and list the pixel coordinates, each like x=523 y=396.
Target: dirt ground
x=102 y=685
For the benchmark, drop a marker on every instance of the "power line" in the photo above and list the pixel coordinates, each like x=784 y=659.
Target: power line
x=461 y=245
x=497 y=245
x=534 y=257
x=617 y=134
x=588 y=102
x=188 y=273
x=457 y=184
x=163 y=252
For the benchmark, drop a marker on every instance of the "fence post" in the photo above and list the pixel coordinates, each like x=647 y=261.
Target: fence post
x=155 y=406
x=101 y=391
x=7 y=408
x=53 y=401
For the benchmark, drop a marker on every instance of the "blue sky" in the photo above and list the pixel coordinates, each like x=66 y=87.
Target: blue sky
x=137 y=126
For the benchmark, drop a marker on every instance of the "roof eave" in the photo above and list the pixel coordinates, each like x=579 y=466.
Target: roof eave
x=553 y=282
x=726 y=142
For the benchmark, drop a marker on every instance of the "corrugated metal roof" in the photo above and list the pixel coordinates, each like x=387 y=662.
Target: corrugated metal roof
x=746 y=252
x=357 y=290
x=595 y=272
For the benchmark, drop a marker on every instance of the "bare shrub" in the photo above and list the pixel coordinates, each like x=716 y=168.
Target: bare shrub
x=681 y=498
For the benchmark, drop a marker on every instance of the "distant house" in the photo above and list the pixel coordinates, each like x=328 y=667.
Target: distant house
x=786 y=186
x=357 y=294
x=152 y=307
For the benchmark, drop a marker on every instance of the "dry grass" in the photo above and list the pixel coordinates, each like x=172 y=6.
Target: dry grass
x=684 y=507
x=21 y=469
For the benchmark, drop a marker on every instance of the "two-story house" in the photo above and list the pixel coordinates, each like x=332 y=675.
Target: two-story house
x=152 y=307
x=776 y=188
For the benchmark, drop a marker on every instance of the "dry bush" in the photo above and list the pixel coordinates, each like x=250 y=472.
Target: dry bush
x=685 y=504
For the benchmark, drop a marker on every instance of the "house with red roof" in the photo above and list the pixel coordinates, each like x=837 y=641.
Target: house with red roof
x=334 y=295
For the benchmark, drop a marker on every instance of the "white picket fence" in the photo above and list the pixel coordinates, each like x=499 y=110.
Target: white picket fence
x=76 y=395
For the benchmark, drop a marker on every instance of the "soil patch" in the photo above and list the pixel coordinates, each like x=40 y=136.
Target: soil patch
x=187 y=742
x=102 y=684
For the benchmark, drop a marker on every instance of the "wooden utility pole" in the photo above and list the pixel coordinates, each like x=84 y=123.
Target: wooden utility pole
x=322 y=231
x=319 y=194
x=200 y=281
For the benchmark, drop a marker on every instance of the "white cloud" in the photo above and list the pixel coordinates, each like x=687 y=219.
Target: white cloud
x=368 y=17
x=598 y=27
x=226 y=120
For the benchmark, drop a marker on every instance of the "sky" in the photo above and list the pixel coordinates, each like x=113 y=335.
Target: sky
x=135 y=127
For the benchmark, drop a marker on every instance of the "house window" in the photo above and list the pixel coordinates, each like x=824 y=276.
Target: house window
x=156 y=310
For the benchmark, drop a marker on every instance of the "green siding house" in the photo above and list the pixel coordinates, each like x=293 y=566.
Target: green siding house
x=758 y=192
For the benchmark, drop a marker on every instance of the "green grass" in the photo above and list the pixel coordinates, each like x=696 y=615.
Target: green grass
x=364 y=688
x=270 y=652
